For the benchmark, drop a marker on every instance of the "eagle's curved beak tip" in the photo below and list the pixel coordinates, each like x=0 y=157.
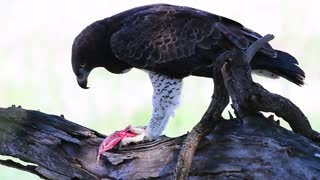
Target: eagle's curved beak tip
x=83 y=83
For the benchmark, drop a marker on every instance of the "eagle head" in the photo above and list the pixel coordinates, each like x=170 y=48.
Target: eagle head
x=89 y=50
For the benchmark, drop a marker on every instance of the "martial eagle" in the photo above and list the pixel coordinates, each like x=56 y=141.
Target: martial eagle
x=170 y=43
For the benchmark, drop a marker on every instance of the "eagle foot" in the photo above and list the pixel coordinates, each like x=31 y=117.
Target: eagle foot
x=124 y=137
x=142 y=136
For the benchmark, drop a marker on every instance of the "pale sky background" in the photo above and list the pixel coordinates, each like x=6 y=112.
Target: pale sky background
x=35 y=65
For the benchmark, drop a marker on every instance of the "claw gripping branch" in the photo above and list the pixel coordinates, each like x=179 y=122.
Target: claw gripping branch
x=114 y=139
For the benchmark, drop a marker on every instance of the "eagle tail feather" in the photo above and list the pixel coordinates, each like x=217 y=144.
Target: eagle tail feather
x=283 y=65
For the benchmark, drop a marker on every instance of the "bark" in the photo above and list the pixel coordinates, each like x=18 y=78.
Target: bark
x=249 y=97
x=232 y=77
x=210 y=119
x=251 y=148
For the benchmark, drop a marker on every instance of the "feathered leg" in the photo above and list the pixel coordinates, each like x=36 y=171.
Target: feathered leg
x=166 y=97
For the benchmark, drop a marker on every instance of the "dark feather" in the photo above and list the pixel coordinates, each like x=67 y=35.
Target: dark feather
x=283 y=65
x=162 y=35
x=172 y=40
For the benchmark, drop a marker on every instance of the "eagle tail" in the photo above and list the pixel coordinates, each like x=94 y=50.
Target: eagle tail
x=283 y=65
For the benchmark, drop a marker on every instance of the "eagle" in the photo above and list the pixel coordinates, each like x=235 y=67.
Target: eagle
x=170 y=43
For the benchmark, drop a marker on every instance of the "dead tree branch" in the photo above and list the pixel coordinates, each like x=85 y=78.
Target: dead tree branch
x=247 y=97
x=60 y=149
x=209 y=120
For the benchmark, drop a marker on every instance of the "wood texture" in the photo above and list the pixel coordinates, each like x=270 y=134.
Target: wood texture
x=251 y=148
x=209 y=120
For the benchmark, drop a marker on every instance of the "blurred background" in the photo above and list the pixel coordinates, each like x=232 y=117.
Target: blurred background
x=35 y=66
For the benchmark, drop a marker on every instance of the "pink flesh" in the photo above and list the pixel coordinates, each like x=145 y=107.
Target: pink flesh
x=114 y=139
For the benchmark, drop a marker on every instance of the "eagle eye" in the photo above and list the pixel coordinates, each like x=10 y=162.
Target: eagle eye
x=83 y=65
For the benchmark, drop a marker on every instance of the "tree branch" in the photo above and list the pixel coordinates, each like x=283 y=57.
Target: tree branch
x=254 y=47
x=27 y=168
x=61 y=149
x=209 y=120
x=249 y=97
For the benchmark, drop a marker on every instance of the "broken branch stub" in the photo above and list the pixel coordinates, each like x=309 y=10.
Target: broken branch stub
x=249 y=97
x=254 y=47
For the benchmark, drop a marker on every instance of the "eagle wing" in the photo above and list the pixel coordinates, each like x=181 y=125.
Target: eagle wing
x=164 y=34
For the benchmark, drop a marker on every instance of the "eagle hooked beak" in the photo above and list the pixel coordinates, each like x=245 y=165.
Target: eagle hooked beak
x=82 y=78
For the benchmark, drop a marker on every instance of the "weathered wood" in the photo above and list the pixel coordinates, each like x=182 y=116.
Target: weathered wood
x=249 y=97
x=254 y=48
x=253 y=148
x=232 y=75
x=209 y=120
x=220 y=100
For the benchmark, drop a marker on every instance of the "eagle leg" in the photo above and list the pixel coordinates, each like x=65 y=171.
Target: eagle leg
x=165 y=99
x=166 y=96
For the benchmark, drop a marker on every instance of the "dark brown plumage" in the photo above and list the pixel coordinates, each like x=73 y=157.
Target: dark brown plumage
x=172 y=40
x=170 y=43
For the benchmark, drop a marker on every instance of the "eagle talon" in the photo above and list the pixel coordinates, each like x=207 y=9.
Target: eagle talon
x=142 y=136
x=118 y=147
x=114 y=139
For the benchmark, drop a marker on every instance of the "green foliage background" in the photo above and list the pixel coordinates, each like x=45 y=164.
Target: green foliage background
x=35 y=70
